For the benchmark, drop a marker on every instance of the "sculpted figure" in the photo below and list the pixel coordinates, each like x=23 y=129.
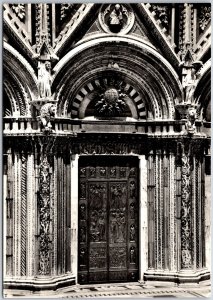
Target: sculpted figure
x=44 y=80
x=190 y=125
x=116 y=16
x=46 y=113
x=189 y=86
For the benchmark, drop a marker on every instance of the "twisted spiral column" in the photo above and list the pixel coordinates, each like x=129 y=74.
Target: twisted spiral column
x=23 y=213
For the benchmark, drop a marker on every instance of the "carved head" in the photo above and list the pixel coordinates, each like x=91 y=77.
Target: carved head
x=52 y=110
x=117 y=7
x=47 y=65
x=192 y=112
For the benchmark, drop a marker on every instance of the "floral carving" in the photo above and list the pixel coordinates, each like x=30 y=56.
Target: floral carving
x=204 y=16
x=162 y=13
x=19 y=10
x=44 y=212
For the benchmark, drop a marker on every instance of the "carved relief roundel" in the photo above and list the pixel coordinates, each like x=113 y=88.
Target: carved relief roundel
x=116 y=18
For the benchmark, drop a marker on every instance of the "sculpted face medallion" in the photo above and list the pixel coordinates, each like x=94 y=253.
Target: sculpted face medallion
x=116 y=18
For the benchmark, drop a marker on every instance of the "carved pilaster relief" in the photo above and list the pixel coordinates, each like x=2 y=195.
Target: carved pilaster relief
x=186 y=250
x=172 y=191
x=44 y=207
x=55 y=215
x=31 y=210
x=44 y=210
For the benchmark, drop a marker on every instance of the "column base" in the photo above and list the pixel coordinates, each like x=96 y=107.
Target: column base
x=40 y=283
x=181 y=277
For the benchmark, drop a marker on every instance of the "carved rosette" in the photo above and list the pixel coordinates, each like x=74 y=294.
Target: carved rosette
x=44 y=212
x=186 y=259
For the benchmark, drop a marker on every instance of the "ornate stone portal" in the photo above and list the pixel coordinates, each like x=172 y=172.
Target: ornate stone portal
x=106 y=144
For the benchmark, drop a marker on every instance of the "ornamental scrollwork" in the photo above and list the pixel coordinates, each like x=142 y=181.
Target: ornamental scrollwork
x=45 y=217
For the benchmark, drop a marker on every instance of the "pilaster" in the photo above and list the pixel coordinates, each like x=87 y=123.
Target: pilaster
x=74 y=218
x=31 y=208
x=143 y=217
x=17 y=215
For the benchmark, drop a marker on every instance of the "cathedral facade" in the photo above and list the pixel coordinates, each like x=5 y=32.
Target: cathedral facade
x=106 y=143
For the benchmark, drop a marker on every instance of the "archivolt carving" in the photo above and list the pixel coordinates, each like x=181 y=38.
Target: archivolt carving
x=144 y=64
x=19 y=67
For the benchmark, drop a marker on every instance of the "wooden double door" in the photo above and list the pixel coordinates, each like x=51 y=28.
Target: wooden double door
x=108 y=219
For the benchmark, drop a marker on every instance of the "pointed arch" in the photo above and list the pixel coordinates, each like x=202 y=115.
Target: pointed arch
x=154 y=77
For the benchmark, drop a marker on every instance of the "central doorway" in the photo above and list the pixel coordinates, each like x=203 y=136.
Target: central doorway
x=108 y=219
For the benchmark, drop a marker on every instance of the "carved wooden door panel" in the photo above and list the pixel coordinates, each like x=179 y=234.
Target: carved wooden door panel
x=108 y=219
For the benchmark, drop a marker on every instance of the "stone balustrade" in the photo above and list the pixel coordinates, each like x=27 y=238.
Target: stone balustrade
x=19 y=126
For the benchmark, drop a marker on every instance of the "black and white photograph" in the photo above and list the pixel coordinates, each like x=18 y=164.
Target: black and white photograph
x=106 y=157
